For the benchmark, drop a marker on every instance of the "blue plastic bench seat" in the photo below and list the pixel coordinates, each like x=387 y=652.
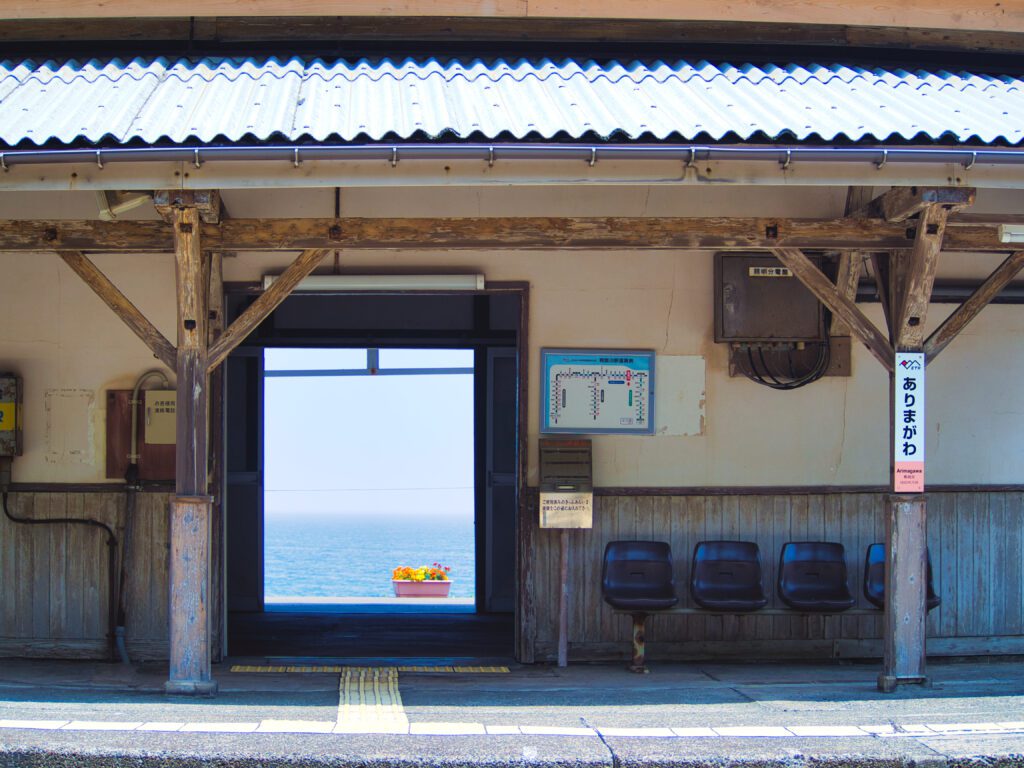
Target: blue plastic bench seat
x=638 y=576
x=813 y=577
x=726 y=576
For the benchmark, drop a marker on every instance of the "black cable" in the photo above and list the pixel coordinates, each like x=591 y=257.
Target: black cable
x=794 y=382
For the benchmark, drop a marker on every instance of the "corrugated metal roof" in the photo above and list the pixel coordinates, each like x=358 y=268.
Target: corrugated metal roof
x=233 y=100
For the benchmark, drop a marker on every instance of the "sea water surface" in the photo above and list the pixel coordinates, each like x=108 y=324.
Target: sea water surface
x=352 y=555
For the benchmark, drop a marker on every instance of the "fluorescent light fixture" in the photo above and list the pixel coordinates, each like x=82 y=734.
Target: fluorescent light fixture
x=1011 y=233
x=386 y=283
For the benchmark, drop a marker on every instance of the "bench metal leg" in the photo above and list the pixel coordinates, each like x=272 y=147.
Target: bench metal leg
x=639 y=644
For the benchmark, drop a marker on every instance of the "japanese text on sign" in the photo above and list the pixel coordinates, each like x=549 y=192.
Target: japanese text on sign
x=567 y=510
x=908 y=423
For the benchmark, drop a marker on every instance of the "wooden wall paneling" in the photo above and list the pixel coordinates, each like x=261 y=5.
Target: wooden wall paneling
x=1006 y=564
x=542 y=581
x=660 y=516
x=933 y=541
x=850 y=530
x=832 y=522
x=94 y=577
x=798 y=531
x=1013 y=599
x=945 y=564
x=982 y=604
x=136 y=583
x=75 y=567
x=528 y=563
x=25 y=587
x=41 y=568
x=58 y=506
x=762 y=534
x=580 y=549
x=965 y=554
x=781 y=510
x=8 y=573
x=604 y=510
x=588 y=584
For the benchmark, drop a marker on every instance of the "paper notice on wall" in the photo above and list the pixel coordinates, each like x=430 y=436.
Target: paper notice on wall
x=567 y=510
x=908 y=423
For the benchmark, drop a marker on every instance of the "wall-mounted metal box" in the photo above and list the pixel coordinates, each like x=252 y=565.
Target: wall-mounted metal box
x=160 y=406
x=10 y=415
x=759 y=300
x=566 y=484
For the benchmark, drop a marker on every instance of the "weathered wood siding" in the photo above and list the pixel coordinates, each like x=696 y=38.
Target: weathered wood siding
x=54 y=583
x=975 y=540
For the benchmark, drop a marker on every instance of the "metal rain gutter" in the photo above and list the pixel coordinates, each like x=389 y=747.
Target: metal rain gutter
x=689 y=155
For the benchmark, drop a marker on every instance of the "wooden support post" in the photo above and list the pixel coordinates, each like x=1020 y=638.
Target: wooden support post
x=190 y=671
x=215 y=329
x=563 y=602
x=905 y=587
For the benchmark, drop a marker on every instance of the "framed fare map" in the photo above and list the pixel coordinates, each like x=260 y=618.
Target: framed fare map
x=597 y=391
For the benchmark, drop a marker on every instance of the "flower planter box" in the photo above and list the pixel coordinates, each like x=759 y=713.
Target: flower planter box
x=421 y=588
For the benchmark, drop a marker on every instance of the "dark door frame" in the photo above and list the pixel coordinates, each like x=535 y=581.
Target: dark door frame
x=523 y=619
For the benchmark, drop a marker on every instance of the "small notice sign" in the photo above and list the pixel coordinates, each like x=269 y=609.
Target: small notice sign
x=908 y=422
x=567 y=510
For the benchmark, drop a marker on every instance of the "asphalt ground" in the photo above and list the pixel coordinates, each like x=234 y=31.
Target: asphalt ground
x=59 y=713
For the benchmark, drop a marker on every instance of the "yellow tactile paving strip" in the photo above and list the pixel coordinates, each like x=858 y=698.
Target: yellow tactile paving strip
x=338 y=669
x=369 y=700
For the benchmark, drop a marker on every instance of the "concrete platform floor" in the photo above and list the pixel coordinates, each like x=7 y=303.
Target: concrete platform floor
x=433 y=712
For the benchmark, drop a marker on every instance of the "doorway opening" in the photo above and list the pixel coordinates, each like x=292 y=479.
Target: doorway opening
x=335 y=349
x=368 y=467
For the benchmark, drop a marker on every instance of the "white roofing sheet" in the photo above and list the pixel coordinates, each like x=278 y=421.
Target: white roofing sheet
x=234 y=100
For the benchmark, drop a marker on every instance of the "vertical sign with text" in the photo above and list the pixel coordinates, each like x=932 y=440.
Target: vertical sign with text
x=908 y=423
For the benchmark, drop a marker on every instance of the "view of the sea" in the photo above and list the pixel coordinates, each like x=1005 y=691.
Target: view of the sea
x=353 y=555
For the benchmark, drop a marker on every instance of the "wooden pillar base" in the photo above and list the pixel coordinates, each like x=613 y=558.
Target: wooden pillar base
x=905 y=584
x=191 y=688
x=889 y=683
x=190 y=668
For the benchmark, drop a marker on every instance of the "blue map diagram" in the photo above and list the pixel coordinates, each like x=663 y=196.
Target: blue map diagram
x=595 y=391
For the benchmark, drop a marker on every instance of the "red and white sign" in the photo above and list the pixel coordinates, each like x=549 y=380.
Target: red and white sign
x=908 y=423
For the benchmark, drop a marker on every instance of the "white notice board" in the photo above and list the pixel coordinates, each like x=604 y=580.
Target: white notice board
x=597 y=391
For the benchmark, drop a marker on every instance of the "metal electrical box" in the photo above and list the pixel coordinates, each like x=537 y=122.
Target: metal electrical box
x=160 y=409
x=759 y=300
x=10 y=415
x=566 y=484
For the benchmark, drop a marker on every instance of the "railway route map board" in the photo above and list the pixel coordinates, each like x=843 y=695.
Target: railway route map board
x=596 y=391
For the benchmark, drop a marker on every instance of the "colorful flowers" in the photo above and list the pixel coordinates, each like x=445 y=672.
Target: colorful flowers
x=436 y=572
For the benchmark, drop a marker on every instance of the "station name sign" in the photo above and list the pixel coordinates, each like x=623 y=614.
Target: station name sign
x=908 y=423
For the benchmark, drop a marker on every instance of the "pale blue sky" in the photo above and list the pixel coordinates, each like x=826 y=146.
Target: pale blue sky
x=384 y=443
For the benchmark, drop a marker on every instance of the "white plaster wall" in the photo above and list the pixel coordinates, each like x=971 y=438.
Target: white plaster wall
x=58 y=335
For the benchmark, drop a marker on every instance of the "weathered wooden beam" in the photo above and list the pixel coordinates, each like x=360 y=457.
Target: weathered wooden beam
x=258 y=311
x=206 y=201
x=189 y=615
x=977 y=301
x=818 y=284
x=123 y=308
x=915 y=291
x=900 y=203
x=849 y=268
x=527 y=233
